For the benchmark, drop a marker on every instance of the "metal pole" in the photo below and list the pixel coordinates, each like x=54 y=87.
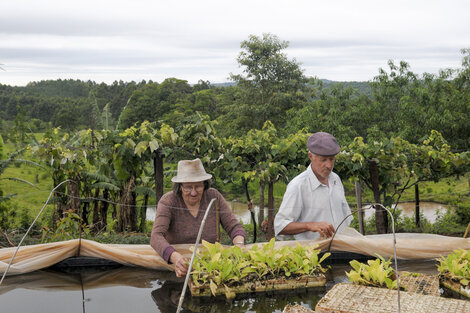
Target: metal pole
x=394 y=251
x=180 y=303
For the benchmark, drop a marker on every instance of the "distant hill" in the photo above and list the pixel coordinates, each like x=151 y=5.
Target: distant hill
x=361 y=87
x=226 y=84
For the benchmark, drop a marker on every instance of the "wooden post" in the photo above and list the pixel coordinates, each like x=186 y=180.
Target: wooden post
x=261 y=213
x=158 y=169
x=270 y=233
x=381 y=220
x=360 y=215
x=417 y=204
x=217 y=221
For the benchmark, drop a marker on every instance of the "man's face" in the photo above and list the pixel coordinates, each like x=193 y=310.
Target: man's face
x=322 y=165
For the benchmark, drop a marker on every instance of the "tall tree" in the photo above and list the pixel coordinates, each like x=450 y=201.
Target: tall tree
x=270 y=84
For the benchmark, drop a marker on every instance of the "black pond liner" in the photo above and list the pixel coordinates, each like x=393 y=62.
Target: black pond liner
x=80 y=263
x=77 y=262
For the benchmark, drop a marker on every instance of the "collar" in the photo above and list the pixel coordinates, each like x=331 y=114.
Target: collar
x=315 y=183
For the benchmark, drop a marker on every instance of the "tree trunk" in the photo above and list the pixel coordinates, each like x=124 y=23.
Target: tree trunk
x=360 y=215
x=127 y=210
x=381 y=221
x=417 y=205
x=73 y=193
x=261 y=213
x=104 y=210
x=96 y=216
x=61 y=203
x=143 y=214
x=270 y=233
x=158 y=169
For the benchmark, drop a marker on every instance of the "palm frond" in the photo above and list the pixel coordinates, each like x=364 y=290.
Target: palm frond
x=104 y=185
x=145 y=191
x=20 y=180
x=96 y=177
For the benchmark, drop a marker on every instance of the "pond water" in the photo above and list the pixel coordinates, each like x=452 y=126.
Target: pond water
x=428 y=209
x=140 y=290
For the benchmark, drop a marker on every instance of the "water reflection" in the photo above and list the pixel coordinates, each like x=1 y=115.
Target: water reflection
x=125 y=289
x=167 y=298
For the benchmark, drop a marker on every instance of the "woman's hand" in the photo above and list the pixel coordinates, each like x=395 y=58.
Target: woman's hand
x=239 y=241
x=181 y=264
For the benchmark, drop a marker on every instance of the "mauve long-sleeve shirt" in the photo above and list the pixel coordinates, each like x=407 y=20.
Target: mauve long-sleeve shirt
x=174 y=224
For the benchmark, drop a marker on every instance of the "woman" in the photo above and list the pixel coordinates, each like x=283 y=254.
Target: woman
x=180 y=213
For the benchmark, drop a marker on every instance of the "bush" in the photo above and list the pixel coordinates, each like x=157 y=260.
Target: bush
x=463 y=214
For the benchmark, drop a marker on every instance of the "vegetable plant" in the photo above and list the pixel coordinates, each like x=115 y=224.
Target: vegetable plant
x=376 y=273
x=217 y=265
x=456 y=266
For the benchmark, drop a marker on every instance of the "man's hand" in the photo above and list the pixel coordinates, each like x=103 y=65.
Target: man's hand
x=181 y=264
x=323 y=228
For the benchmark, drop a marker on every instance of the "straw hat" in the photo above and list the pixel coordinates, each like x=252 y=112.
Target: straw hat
x=190 y=171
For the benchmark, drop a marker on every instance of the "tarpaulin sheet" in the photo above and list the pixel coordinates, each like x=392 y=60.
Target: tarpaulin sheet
x=409 y=246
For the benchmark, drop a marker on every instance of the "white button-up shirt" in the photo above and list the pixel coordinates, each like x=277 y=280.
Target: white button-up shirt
x=308 y=200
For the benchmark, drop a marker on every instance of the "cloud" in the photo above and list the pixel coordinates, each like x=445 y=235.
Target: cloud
x=105 y=40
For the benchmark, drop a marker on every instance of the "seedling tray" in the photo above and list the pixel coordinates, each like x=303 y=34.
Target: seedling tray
x=351 y=298
x=454 y=288
x=277 y=284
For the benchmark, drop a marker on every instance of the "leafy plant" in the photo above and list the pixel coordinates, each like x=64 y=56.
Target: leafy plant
x=68 y=227
x=217 y=265
x=376 y=273
x=456 y=266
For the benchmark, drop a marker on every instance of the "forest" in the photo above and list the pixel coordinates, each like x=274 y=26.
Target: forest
x=396 y=130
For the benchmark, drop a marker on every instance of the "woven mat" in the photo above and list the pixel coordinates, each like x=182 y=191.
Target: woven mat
x=424 y=284
x=350 y=298
x=296 y=308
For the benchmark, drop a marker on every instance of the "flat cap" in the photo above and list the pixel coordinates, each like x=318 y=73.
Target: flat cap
x=322 y=143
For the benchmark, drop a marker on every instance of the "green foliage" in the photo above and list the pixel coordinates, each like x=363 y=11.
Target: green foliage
x=376 y=273
x=226 y=266
x=271 y=84
x=456 y=266
x=71 y=226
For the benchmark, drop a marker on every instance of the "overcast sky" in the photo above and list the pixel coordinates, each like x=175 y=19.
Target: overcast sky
x=108 y=40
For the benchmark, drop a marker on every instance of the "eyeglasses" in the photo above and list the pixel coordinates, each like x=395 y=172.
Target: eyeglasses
x=189 y=188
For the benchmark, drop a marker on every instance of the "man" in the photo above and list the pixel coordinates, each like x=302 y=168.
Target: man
x=314 y=203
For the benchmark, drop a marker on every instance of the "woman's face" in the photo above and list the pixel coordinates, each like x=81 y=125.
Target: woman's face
x=192 y=193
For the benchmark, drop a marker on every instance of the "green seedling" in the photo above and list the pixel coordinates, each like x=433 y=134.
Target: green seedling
x=217 y=266
x=376 y=273
x=456 y=266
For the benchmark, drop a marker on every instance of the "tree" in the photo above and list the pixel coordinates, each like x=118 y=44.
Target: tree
x=271 y=85
x=391 y=166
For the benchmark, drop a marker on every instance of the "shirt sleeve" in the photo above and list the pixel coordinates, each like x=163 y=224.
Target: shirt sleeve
x=160 y=227
x=290 y=209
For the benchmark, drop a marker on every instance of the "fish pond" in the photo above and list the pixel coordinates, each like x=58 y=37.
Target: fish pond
x=126 y=289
